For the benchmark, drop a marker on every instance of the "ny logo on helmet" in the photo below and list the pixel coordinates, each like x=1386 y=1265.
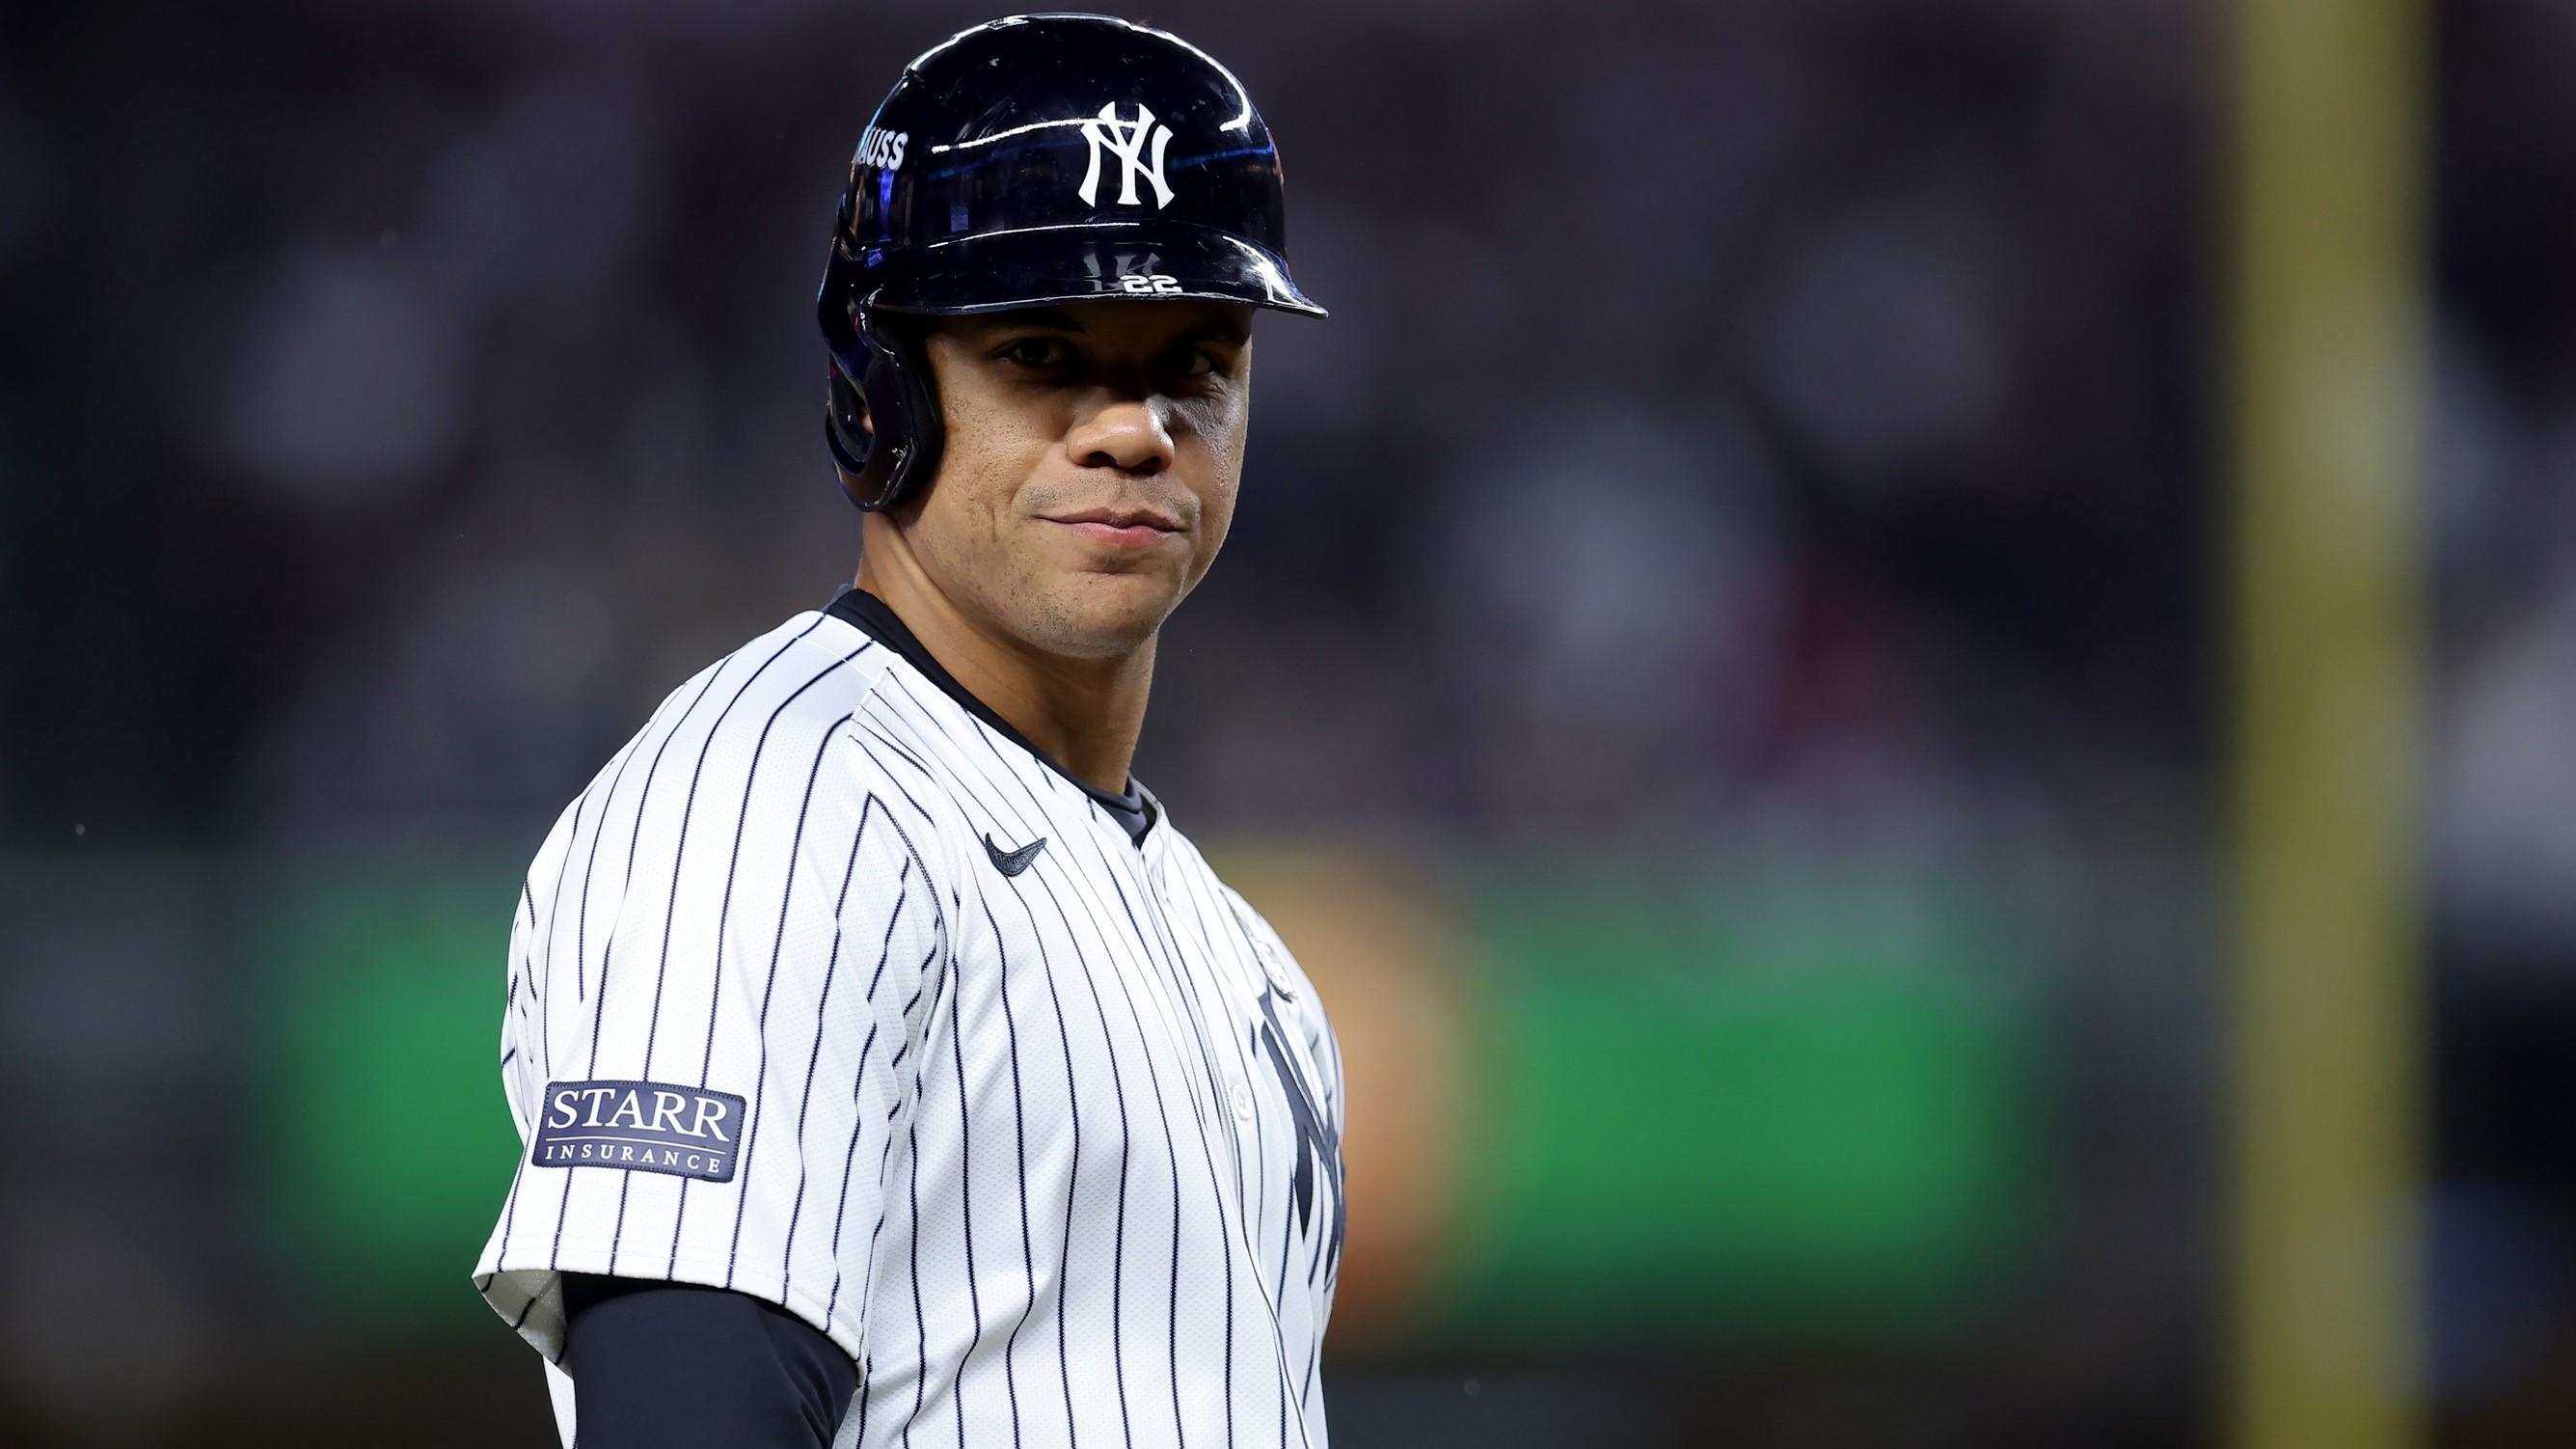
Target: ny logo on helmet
x=1127 y=140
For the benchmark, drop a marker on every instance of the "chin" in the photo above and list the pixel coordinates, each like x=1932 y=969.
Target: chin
x=1098 y=615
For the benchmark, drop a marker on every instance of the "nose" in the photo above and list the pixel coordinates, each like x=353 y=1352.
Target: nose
x=1130 y=434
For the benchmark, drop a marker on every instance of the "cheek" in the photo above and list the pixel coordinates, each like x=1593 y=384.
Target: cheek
x=1218 y=477
x=985 y=459
x=1216 y=507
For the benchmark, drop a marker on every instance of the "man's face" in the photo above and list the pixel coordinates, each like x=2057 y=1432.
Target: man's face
x=1089 y=473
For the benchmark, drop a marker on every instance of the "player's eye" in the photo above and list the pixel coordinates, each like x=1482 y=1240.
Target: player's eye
x=1192 y=362
x=1038 y=354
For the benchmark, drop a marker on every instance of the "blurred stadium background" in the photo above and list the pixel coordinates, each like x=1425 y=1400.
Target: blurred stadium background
x=1734 y=670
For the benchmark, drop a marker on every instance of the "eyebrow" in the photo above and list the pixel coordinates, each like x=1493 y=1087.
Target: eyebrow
x=1055 y=317
x=1219 y=328
x=1222 y=329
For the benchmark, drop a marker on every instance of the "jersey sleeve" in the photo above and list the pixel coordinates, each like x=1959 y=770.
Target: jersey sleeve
x=727 y=973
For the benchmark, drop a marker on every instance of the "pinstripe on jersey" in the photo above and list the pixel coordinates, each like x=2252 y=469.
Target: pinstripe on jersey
x=1053 y=1156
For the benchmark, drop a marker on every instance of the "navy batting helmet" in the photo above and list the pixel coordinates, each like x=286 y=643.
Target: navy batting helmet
x=1035 y=160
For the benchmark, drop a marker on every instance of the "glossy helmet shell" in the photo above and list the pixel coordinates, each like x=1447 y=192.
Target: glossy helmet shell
x=1035 y=160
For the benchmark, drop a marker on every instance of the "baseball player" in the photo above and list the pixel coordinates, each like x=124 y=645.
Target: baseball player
x=890 y=1069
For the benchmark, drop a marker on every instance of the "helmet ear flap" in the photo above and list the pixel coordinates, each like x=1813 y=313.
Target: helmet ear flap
x=881 y=418
x=845 y=429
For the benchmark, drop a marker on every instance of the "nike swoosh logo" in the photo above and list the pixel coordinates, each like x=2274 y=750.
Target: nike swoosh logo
x=1012 y=862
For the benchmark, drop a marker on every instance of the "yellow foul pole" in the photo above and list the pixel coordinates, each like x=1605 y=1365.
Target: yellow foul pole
x=2328 y=334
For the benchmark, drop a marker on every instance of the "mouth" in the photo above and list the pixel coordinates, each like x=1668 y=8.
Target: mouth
x=1122 y=527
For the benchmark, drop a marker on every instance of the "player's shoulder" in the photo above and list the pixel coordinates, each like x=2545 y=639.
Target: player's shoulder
x=813 y=669
x=771 y=721
x=797 y=678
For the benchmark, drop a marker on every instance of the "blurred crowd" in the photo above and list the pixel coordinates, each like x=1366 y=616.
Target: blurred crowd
x=1793 y=430
x=1727 y=411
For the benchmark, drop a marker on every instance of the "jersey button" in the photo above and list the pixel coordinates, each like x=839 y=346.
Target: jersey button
x=1243 y=1101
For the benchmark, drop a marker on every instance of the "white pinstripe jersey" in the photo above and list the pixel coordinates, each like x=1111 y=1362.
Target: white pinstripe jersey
x=1054 y=1156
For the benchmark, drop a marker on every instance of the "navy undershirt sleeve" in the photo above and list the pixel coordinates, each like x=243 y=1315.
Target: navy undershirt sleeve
x=659 y=1365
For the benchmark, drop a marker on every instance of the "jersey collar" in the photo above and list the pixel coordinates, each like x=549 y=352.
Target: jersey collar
x=1136 y=811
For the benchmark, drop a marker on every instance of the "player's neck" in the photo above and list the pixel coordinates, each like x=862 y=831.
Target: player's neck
x=1084 y=714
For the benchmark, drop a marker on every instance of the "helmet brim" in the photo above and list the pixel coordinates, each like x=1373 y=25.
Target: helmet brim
x=1093 y=262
